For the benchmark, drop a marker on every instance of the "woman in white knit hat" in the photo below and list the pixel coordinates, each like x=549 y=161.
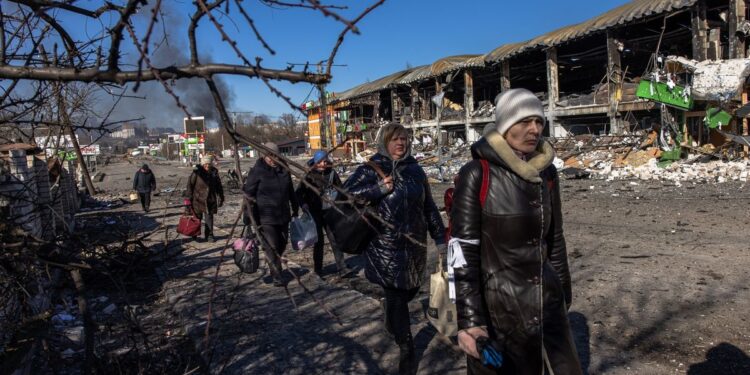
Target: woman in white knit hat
x=513 y=285
x=205 y=194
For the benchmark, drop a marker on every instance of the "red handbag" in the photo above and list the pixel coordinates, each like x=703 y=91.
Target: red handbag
x=190 y=225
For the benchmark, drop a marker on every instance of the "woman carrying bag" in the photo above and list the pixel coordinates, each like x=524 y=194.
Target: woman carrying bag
x=403 y=200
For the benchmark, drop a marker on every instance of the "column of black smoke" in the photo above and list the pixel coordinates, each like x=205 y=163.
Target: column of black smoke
x=159 y=109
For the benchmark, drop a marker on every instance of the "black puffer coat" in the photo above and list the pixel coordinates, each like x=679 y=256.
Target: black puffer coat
x=517 y=282
x=392 y=260
x=144 y=180
x=321 y=180
x=272 y=190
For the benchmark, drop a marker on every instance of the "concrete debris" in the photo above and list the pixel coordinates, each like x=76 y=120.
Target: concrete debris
x=715 y=80
x=364 y=156
x=484 y=109
x=109 y=309
x=575 y=173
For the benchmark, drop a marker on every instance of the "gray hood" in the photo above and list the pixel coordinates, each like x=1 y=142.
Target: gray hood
x=383 y=148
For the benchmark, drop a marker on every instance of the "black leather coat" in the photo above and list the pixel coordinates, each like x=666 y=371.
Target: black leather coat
x=392 y=260
x=517 y=282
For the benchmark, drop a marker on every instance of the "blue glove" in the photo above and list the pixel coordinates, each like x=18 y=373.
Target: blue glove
x=488 y=354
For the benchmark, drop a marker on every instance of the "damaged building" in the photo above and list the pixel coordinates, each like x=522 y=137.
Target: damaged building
x=646 y=66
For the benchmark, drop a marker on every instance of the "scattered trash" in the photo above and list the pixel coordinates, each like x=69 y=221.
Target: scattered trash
x=62 y=318
x=68 y=353
x=575 y=173
x=74 y=334
x=109 y=309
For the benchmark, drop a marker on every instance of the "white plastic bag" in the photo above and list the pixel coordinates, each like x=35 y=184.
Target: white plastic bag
x=302 y=231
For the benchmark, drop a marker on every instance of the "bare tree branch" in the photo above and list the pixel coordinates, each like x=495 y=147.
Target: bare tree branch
x=173 y=72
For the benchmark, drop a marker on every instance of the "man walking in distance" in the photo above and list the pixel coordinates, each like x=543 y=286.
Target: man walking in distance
x=143 y=183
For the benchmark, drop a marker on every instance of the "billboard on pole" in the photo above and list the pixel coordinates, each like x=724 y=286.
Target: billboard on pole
x=195 y=124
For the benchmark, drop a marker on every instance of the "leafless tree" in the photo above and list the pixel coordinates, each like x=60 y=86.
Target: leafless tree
x=52 y=75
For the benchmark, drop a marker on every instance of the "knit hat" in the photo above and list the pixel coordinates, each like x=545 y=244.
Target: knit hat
x=319 y=155
x=207 y=159
x=272 y=146
x=515 y=105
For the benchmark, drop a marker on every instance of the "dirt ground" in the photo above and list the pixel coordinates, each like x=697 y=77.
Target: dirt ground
x=659 y=272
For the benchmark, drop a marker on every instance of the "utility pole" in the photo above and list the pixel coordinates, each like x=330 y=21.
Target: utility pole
x=324 y=127
x=62 y=110
x=236 y=147
x=438 y=101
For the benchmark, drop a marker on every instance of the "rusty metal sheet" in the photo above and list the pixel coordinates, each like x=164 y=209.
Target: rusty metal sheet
x=419 y=73
x=370 y=87
x=452 y=63
x=634 y=10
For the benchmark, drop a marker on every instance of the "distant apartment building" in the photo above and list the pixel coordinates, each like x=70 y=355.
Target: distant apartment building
x=126 y=131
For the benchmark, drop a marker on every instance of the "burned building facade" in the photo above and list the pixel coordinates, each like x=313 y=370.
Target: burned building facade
x=588 y=76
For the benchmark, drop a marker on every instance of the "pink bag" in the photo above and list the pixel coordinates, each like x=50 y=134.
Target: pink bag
x=241 y=244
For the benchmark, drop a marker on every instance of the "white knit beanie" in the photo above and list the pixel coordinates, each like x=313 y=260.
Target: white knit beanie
x=515 y=105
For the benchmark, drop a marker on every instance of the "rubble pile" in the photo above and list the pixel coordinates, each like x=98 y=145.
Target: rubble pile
x=484 y=109
x=607 y=157
x=644 y=165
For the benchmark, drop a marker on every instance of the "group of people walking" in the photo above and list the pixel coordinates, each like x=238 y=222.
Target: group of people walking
x=506 y=241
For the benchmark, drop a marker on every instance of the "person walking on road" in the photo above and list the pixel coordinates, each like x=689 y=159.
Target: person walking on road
x=394 y=261
x=144 y=182
x=513 y=286
x=269 y=189
x=323 y=178
x=205 y=194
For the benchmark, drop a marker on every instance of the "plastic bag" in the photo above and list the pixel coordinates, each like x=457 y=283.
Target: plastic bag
x=303 y=231
x=246 y=255
x=329 y=196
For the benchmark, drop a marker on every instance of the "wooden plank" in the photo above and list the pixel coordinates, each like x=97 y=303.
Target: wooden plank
x=744 y=122
x=700 y=31
x=598 y=109
x=414 y=94
x=695 y=114
x=468 y=92
x=736 y=16
x=614 y=74
x=553 y=88
x=505 y=76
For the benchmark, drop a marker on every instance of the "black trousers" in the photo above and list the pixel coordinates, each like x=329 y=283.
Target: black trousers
x=208 y=224
x=475 y=367
x=274 y=239
x=145 y=200
x=397 y=320
x=320 y=245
